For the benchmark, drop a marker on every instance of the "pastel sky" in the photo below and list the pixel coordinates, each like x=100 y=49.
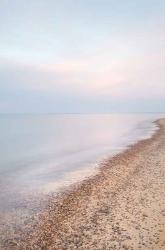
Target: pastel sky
x=89 y=56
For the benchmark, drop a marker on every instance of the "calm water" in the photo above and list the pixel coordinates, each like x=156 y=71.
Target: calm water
x=42 y=153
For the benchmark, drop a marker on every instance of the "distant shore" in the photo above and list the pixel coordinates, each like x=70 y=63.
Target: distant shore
x=122 y=207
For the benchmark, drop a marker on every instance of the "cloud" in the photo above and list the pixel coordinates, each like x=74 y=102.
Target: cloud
x=125 y=77
x=116 y=72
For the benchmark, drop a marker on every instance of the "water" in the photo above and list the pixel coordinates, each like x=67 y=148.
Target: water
x=43 y=153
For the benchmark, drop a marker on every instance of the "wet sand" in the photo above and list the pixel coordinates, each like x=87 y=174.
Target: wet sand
x=122 y=207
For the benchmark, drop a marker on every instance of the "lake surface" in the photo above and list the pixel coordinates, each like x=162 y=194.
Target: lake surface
x=40 y=154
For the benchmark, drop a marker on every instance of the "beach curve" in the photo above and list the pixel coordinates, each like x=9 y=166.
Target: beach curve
x=122 y=207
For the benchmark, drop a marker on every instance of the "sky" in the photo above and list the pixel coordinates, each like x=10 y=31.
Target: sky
x=82 y=56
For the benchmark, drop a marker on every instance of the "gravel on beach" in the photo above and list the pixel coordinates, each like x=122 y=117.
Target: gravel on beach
x=122 y=207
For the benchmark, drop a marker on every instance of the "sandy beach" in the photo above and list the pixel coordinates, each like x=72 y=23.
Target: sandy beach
x=122 y=207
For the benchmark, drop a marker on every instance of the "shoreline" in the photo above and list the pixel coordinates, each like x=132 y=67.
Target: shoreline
x=73 y=219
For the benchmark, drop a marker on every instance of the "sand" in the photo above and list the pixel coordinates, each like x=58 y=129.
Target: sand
x=122 y=207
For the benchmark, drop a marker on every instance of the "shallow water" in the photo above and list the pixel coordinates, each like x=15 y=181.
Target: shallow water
x=43 y=153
